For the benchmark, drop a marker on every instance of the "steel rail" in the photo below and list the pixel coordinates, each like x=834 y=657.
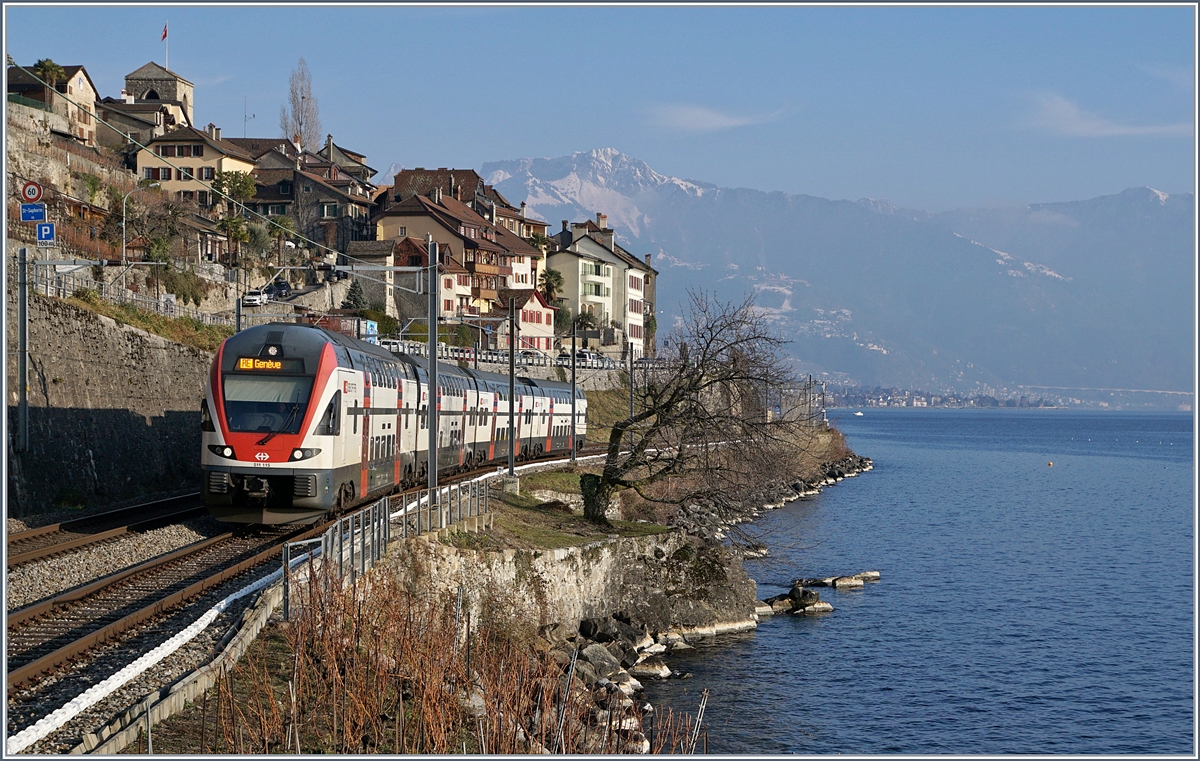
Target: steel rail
x=86 y=540
x=85 y=528
x=45 y=664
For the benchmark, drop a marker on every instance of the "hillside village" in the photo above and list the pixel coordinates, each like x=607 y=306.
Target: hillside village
x=196 y=216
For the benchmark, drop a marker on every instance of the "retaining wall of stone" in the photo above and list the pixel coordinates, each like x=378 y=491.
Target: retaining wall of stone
x=114 y=411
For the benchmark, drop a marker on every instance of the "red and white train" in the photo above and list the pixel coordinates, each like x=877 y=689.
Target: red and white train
x=299 y=421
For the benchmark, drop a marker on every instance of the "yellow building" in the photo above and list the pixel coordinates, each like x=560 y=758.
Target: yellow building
x=185 y=161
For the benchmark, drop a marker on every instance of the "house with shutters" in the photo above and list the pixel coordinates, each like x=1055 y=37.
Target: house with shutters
x=470 y=239
x=185 y=161
x=76 y=107
x=326 y=203
x=535 y=325
x=602 y=279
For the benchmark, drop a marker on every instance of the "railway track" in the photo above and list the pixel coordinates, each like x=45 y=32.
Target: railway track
x=49 y=634
x=36 y=544
x=45 y=636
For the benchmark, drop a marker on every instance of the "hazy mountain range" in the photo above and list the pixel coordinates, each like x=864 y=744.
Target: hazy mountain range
x=1095 y=293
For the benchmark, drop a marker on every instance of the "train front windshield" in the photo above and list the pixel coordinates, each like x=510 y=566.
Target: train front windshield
x=267 y=404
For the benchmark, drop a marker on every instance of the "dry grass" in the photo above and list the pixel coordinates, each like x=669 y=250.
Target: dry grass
x=379 y=669
x=183 y=330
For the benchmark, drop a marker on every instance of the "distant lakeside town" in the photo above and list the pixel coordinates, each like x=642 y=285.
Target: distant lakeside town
x=995 y=398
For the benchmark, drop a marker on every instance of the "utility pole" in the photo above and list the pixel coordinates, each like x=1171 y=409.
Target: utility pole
x=630 y=344
x=432 y=417
x=512 y=382
x=22 y=350
x=574 y=396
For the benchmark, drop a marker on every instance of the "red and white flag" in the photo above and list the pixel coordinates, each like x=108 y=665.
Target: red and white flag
x=164 y=33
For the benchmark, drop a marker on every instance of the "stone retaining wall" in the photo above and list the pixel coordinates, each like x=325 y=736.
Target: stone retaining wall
x=114 y=411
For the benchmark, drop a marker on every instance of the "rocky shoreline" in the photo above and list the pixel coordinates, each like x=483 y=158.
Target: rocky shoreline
x=712 y=522
x=611 y=656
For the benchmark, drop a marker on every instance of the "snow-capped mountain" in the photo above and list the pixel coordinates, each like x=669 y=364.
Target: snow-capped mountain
x=386 y=176
x=1092 y=293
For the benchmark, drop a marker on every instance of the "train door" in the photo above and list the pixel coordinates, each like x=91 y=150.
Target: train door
x=406 y=423
x=421 y=445
x=348 y=446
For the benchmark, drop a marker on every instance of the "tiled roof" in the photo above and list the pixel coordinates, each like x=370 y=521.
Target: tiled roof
x=257 y=146
x=151 y=70
x=370 y=247
x=419 y=181
x=515 y=243
x=191 y=133
x=269 y=180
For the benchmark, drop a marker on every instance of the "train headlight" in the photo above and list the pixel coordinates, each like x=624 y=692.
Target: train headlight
x=304 y=454
x=221 y=450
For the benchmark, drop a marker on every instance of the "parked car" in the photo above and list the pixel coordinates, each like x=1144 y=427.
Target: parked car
x=583 y=357
x=255 y=299
x=282 y=287
x=277 y=291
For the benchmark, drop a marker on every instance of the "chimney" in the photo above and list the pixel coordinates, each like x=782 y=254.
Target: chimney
x=647 y=260
x=296 y=143
x=329 y=146
x=209 y=129
x=126 y=96
x=216 y=133
x=602 y=221
x=522 y=208
x=564 y=226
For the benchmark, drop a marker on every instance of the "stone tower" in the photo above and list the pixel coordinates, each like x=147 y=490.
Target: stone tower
x=154 y=83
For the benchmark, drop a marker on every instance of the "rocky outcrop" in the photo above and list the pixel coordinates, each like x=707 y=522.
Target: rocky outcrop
x=802 y=600
x=657 y=583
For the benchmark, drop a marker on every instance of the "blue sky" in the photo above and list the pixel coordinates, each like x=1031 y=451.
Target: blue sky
x=930 y=107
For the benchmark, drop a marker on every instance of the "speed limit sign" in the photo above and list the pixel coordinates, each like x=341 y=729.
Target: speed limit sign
x=31 y=192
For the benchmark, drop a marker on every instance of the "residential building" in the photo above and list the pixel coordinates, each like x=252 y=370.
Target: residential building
x=378 y=286
x=327 y=214
x=77 y=107
x=604 y=280
x=486 y=253
x=185 y=161
x=348 y=162
x=131 y=121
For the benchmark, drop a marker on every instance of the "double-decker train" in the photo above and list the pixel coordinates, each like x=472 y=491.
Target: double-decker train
x=299 y=421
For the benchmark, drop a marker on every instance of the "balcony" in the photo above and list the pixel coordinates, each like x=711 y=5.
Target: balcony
x=484 y=293
x=463 y=311
x=479 y=268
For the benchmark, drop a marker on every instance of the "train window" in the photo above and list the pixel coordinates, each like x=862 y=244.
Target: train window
x=331 y=421
x=206 y=421
x=266 y=404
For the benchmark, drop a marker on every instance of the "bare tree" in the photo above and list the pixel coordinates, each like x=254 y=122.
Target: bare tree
x=301 y=116
x=710 y=418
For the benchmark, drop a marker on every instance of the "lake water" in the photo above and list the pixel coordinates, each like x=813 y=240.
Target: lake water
x=1023 y=608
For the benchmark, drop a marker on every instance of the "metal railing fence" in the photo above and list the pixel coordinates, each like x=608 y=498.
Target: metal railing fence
x=428 y=510
x=350 y=547
x=67 y=284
